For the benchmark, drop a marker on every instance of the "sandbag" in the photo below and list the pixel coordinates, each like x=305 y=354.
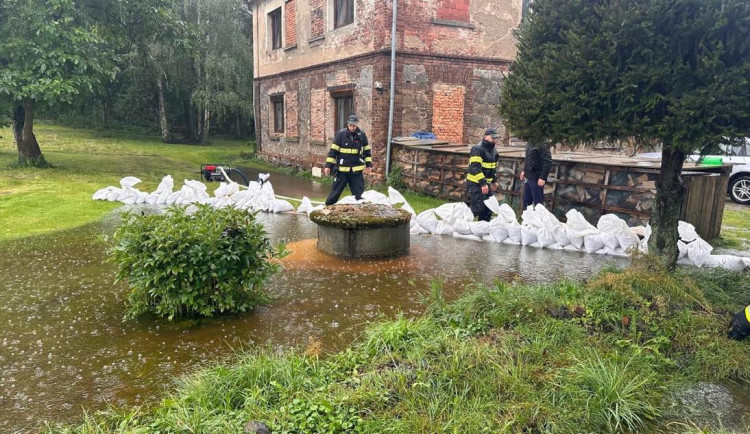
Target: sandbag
x=280 y=205
x=129 y=181
x=462 y=227
x=698 y=251
x=488 y=238
x=461 y=212
x=729 y=262
x=514 y=233
x=428 y=220
x=578 y=225
x=545 y=237
x=498 y=230
x=507 y=215
x=686 y=231
x=573 y=239
x=348 y=200
x=612 y=225
x=528 y=235
x=682 y=248
x=105 y=192
x=492 y=204
x=592 y=243
x=479 y=228
x=375 y=197
x=561 y=236
x=610 y=241
x=443 y=228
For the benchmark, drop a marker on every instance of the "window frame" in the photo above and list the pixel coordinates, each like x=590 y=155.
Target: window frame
x=342 y=95
x=276 y=36
x=278 y=118
x=336 y=11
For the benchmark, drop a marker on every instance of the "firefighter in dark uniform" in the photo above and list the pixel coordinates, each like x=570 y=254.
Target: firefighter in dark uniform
x=482 y=167
x=536 y=167
x=349 y=156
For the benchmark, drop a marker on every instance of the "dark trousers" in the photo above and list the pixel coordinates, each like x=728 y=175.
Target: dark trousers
x=355 y=180
x=476 y=198
x=532 y=193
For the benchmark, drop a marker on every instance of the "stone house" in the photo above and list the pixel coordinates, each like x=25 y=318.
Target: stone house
x=317 y=61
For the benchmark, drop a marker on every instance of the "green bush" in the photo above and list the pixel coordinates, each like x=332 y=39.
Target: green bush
x=181 y=264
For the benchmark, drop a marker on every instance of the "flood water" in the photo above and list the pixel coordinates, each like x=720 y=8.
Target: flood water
x=289 y=185
x=64 y=346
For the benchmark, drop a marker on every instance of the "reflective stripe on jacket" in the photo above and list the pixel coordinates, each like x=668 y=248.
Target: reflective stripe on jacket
x=349 y=151
x=482 y=164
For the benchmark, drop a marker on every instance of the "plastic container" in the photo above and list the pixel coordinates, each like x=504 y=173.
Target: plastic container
x=712 y=161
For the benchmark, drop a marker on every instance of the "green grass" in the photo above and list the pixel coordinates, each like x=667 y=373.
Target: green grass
x=735 y=228
x=605 y=356
x=37 y=201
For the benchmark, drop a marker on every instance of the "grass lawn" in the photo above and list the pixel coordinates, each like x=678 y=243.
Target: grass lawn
x=611 y=355
x=735 y=228
x=37 y=201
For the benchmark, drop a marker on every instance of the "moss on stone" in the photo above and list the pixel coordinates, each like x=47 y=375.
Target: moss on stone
x=367 y=216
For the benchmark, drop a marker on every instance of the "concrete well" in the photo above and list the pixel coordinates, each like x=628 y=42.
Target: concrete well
x=362 y=231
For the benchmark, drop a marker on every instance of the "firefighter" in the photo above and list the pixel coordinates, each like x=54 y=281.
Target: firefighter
x=536 y=167
x=482 y=167
x=349 y=156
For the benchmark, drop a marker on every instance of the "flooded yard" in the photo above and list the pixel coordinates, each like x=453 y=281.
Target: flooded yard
x=64 y=346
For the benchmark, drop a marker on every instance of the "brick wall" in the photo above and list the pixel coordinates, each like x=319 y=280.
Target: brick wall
x=290 y=22
x=317 y=114
x=448 y=112
x=453 y=10
x=291 y=124
x=317 y=18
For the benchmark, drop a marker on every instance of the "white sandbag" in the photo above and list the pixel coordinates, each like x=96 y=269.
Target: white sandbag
x=462 y=227
x=493 y=205
x=561 y=236
x=488 y=238
x=498 y=230
x=466 y=237
x=280 y=205
x=443 y=228
x=611 y=224
x=687 y=232
x=747 y=262
x=545 y=237
x=514 y=233
x=555 y=246
x=222 y=190
x=140 y=197
x=643 y=244
x=347 y=200
x=682 y=247
x=592 y=243
x=618 y=252
x=129 y=181
x=418 y=230
x=573 y=239
x=535 y=245
x=610 y=241
x=395 y=198
x=528 y=235
x=603 y=251
x=305 y=206
x=461 y=212
x=172 y=198
x=480 y=228
x=105 y=192
x=578 y=225
x=507 y=215
x=698 y=251
x=729 y=262
x=428 y=220
x=572 y=248
x=445 y=211
x=375 y=197
x=511 y=241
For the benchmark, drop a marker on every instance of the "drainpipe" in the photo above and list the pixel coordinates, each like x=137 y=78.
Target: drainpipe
x=393 y=90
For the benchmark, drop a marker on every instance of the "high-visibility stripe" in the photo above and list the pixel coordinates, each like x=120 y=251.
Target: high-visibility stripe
x=331 y=160
x=368 y=159
x=747 y=313
x=475 y=178
x=349 y=151
x=489 y=165
x=490 y=179
x=335 y=147
x=475 y=160
x=366 y=148
x=352 y=169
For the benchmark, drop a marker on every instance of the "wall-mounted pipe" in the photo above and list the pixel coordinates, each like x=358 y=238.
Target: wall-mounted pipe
x=393 y=90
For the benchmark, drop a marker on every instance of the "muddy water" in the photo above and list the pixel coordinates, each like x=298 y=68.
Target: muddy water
x=289 y=185
x=64 y=346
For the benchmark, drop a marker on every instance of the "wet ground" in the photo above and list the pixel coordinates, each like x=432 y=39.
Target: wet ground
x=64 y=346
x=290 y=185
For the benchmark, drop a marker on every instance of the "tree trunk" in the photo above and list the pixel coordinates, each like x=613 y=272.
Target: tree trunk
x=238 y=125
x=166 y=137
x=18 y=116
x=666 y=213
x=206 y=124
x=29 y=153
x=190 y=122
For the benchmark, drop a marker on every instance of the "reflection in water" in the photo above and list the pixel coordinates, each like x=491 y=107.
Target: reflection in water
x=290 y=185
x=64 y=345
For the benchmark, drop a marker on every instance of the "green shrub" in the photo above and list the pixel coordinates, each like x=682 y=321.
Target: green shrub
x=395 y=179
x=181 y=264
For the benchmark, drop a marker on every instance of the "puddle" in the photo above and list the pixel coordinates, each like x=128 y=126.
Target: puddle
x=64 y=346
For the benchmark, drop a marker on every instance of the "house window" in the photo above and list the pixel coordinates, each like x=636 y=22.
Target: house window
x=343 y=108
x=277 y=101
x=274 y=23
x=343 y=13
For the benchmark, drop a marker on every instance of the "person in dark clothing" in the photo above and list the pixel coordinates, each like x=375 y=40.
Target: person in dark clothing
x=349 y=156
x=482 y=168
x=536 y=168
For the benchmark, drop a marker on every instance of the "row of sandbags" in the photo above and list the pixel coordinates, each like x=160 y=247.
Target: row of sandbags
x=255 y=197
x=540 y=228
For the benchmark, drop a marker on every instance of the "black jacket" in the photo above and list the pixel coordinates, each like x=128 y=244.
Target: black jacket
x=350 y=151
x=538 y=161
x=482 y=164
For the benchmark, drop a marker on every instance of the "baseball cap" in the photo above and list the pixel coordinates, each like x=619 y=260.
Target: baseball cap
x=491 y=132
x=353 y=120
